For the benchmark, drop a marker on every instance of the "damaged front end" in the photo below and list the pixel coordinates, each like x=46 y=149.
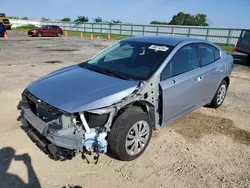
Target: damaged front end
x=62 y=135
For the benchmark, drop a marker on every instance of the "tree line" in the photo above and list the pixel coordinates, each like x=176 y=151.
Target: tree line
x=83 y=19
x=179 y=19
x=186 y=19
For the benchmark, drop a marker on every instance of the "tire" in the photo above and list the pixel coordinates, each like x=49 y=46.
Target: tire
x=39 y=34
x=124 y=131
x=220 y=95
x=58 y=34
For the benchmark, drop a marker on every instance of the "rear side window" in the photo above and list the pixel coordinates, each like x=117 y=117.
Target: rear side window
x=245 y=34
x=216 y=54
x=208 y=54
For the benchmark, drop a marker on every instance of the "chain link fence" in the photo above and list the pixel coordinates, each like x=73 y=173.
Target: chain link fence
x=228 y=36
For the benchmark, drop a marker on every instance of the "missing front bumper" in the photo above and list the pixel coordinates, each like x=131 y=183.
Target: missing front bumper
x=64 y=141
x=54 y=152
x=58 y=138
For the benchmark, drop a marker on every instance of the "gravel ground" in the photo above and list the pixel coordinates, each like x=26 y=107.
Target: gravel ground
x=208 y=148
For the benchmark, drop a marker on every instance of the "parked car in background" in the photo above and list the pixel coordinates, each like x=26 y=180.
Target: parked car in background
x=2 y=29
x=243 y=44
x=46 y=31
x=6 y=23
x=115 y=100
x=2 y=15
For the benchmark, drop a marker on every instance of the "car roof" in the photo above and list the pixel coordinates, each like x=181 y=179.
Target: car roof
x=164 y=40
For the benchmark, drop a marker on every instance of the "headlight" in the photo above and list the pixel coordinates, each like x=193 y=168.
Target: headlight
x=96 y=120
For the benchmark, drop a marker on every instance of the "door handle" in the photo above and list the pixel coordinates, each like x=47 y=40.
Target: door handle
x=221 y=70
x=172 y=82
x=198 y=79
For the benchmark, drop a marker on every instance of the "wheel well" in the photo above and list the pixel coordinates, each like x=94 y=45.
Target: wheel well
x=227 y=80
x=145 y=106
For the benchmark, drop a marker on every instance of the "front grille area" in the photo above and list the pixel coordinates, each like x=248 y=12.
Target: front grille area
x=44 y=111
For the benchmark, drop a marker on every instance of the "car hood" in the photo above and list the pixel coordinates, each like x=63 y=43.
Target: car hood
x=76 y=89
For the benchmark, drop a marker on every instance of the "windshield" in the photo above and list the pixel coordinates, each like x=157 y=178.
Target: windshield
x=130 y=59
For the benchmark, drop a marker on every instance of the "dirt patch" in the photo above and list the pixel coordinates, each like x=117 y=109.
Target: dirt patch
x=198 y=125
x=98 y=46
x=60 y=50
x=53 y=62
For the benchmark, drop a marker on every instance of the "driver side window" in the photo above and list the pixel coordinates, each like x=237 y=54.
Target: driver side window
x=183 y=61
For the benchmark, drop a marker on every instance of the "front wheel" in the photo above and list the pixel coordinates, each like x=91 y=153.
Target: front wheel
x=220 y=95
x=39 y=34
x=130 y=134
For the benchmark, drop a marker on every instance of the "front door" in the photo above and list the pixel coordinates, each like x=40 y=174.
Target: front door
x=47 y=30
x=53 y=30
x=180 y=84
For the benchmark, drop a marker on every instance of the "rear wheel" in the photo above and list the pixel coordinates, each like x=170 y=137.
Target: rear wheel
x=39 y=34
x=58 y=34
x=130 y=134
x=220 y=95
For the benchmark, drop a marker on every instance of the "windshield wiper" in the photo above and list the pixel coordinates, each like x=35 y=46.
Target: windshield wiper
x=115 y=74
x=104 y=71
x=87 y=66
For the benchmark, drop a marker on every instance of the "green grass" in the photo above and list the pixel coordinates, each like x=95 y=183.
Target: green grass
x=227 y=48
x=26 y=27
x=95 y=35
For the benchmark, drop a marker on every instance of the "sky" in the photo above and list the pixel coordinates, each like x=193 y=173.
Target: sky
x=220 y=13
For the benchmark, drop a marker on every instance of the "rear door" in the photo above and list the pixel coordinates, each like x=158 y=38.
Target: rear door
x=212 y=70
x=180 y=84
x=243 y=44
x=53 y=30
